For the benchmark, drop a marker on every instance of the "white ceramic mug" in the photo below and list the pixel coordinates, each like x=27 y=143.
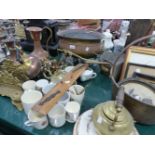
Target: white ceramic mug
x=36 y=121
x=48 y=88
x=72 y=111
x=77 y=93
x=40 y=84
x=30 y=84
x=29 y=98
x=57 y=116
x=64 y=99
x=87 y=75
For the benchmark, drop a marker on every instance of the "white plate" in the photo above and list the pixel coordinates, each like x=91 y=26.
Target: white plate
x=85 y=126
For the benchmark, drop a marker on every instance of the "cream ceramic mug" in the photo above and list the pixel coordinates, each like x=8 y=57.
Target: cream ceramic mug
x=87 y=75
x=72 y=111
x=77 y=93
x=29 y=98
x=30 y=84
x=48 y=88
x=64 y=99
x=37 y=121
x=57 y=116
x=40 y=84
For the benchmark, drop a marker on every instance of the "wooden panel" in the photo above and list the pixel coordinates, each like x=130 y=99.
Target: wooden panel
x=49 y=100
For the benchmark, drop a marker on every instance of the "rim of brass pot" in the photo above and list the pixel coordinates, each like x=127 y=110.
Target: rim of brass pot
x=147 y=113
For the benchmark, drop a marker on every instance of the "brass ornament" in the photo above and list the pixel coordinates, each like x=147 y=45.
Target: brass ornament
x=12 y=75
x=11 y=86
x=17 y=70
x=50 y=68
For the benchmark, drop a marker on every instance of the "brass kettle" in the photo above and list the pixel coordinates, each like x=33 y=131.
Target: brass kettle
x=112 y=118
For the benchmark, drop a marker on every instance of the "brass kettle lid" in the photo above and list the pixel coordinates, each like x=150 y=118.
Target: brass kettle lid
x=110 y=111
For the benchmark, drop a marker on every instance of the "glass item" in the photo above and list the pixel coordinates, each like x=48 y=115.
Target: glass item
x=38 y=51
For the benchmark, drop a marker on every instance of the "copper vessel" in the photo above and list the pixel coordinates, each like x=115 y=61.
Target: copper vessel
x=81 y=42
x=38 y=51
x=32 y=63
x=34 y=66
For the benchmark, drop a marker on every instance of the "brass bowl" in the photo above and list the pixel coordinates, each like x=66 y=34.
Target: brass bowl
x=141 y=112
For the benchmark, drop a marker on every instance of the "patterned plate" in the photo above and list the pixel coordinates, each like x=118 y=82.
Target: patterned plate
x=85 y=126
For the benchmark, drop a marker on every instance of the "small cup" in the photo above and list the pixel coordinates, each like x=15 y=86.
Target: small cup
x=48 y=88
x=64 y=99
x=36 y=121
x=69 y=68
x=29 y=98
x=30 y=84
x=77 y=93
x=72 y=111
x=57 y=116
x=87 y=75
x=40 y=84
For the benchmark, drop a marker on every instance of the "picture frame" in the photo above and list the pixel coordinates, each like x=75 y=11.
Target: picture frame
x=142 y=72
x=142 y=58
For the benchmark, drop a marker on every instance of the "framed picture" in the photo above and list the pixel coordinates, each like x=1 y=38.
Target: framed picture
x=142 y=72
x=139 y=61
